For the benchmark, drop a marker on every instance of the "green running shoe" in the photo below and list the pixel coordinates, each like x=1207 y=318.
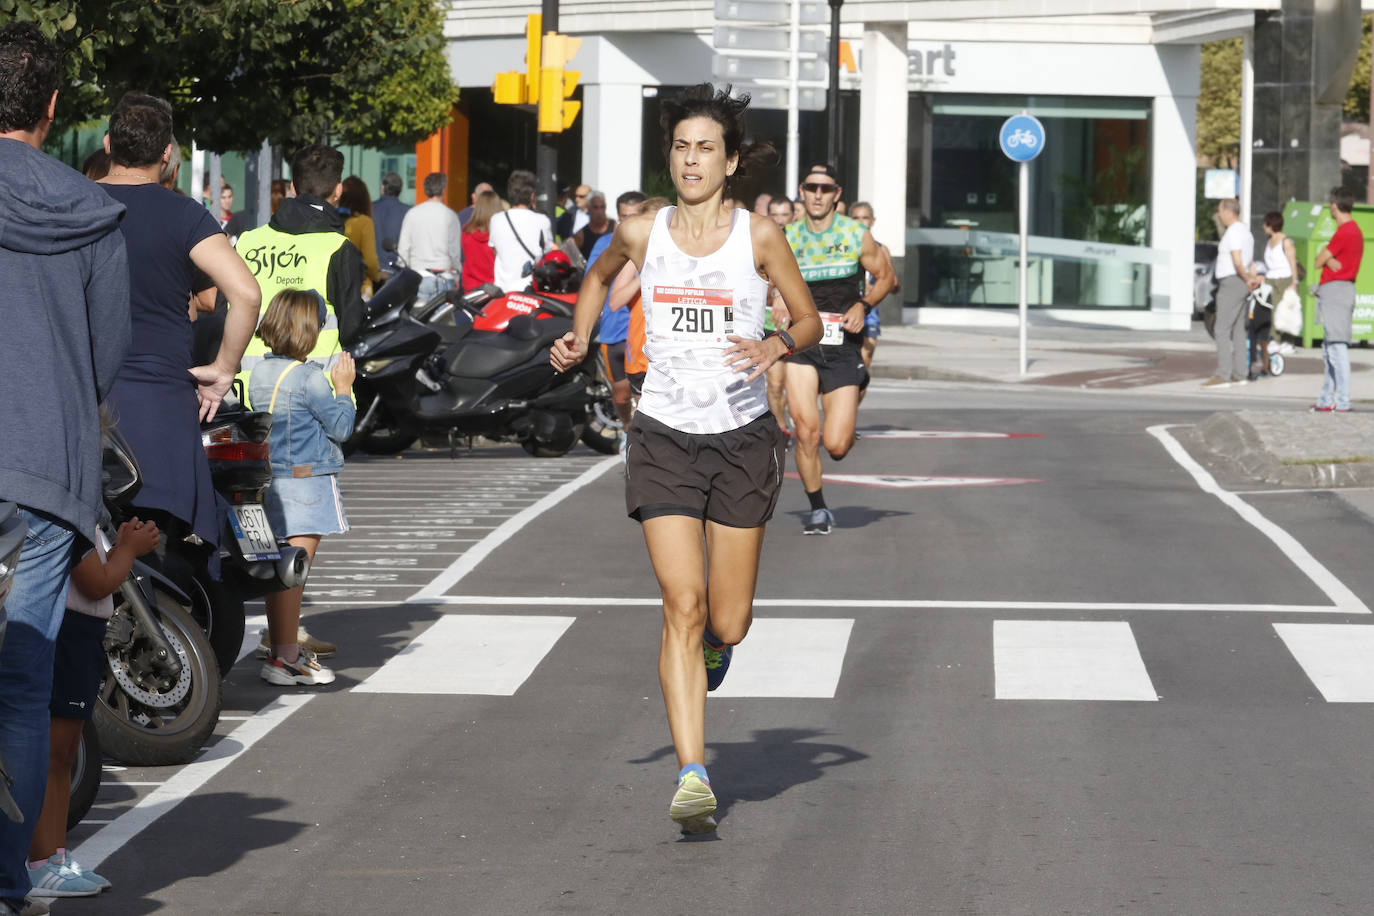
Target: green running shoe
x=693 y=805
x=717 y=660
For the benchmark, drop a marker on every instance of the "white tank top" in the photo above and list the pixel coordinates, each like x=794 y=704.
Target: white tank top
x=1276 y=266
x=691 y=305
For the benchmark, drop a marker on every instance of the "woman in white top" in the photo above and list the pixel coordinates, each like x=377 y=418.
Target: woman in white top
x=704 y=457
x=1280 y=256
x=520 y=235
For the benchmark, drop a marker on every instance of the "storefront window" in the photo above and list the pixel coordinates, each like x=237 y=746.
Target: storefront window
x=1091 y=185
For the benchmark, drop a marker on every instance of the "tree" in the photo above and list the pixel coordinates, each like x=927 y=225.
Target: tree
x=242 y=71
x=1218 y=104
x=1356 y=106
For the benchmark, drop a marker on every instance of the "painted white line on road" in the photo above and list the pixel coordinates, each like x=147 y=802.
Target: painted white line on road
x=1068 y=660
x=1335 y=491
x=788 y=657
x=112 y=837
x=478 y=654
x=1338 y=658
x=479 y=552
x=1344 y=599
x=898 y=604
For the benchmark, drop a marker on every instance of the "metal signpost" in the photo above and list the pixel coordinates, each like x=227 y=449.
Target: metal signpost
x=1022 y=137
x=778 y=59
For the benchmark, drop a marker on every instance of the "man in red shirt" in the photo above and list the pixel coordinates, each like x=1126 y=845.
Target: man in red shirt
x=1339 y=262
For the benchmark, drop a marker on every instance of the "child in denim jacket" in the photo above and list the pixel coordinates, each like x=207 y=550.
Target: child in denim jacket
x=309 y=421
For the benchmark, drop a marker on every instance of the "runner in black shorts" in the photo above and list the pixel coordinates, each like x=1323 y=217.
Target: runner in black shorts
x=834 y=252
x=705 y=455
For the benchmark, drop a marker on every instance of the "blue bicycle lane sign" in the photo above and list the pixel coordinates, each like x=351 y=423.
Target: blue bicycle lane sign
x=1022 y=137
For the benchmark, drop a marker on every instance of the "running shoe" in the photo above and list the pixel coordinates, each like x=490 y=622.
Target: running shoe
x=305 y=671
x=1318 y=408
x=56 y=879
x=820 y=522
x=34 y=907
x=717 y=663
x=321 y=648
x=67 y=860
x=694 y=805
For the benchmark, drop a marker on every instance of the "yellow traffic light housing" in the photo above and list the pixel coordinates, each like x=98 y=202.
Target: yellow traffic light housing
x=509 y=88
x=556 y=110
x=533 y=58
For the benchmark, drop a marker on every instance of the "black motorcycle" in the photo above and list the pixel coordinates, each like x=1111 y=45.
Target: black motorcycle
x=176 y=628
x=424 y=369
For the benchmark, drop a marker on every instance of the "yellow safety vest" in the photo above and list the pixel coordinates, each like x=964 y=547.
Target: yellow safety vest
x=280 y=260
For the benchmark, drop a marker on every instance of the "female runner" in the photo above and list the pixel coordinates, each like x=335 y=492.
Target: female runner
x=704 y=458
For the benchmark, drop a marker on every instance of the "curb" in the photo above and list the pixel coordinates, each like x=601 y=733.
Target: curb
x=1229 y=436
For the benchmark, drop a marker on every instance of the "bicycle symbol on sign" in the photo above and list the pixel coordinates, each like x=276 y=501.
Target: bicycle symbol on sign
x=1022 y=136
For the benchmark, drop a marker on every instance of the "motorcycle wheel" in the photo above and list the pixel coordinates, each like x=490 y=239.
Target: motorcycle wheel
x=603 y=430
x=85 y=775
x=214 y=605
x=149 y=724
x=553 y=448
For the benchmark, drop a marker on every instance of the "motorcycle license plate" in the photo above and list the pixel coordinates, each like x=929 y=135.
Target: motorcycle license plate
x=254 y=533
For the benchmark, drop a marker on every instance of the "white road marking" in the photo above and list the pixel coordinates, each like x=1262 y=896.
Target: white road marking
x=1068 y=660
x=1343 y=598
x=181 y=785
x=479 y=552
x=462 y=654
x=1113 y=607
x=788 y=657
x=1335 y=491
x=1338 y=658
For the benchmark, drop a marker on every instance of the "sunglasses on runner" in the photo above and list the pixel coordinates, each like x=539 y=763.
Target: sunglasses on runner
x=819 y=187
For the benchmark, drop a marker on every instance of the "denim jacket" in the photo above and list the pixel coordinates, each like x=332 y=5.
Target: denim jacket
x=308 y=422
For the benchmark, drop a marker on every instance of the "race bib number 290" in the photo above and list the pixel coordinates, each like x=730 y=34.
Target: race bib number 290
x=685 y=314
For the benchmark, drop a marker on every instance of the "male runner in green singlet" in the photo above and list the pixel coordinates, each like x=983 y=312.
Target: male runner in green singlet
x=834 y=253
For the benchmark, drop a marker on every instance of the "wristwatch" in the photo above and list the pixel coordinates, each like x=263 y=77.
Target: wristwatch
x=868 y=306
x=786 y=339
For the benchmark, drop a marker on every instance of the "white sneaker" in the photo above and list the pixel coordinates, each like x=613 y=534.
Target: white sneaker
x=305 y=671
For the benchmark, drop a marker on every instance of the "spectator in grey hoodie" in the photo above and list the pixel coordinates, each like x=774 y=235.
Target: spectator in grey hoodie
x=64 y=311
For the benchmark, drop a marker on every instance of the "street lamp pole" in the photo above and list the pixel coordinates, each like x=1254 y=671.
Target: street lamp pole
x=546 y=162
x=832 y=93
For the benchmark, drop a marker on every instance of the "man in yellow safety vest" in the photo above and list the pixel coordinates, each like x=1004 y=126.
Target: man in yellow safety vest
x=303 y=247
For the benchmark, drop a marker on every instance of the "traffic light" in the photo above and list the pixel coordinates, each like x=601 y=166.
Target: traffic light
x=514 y=87
x=556 y=110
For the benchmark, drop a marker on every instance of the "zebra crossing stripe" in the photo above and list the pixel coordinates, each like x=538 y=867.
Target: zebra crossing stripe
x=480 y=654
x=789 y=657
x=1337 y=657
x=1068 y=660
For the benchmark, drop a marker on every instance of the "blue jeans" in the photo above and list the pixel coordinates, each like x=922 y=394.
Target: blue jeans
x=1336 y=380
x=34 y=608
x=433 y=284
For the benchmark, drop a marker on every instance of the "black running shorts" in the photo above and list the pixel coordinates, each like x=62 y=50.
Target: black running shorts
x=78 y=664
x=838 y=367
x=614 y=355
x=731 y=478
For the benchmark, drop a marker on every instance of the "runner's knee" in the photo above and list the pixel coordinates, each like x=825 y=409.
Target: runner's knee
x=684 y=610
x=839 y=447
x=731 y=633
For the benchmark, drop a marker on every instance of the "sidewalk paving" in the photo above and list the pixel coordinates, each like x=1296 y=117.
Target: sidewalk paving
x=1288 y=447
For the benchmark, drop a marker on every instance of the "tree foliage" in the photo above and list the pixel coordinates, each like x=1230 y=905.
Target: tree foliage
x=242 y=71
x=1356 y=106
x=1218 y=104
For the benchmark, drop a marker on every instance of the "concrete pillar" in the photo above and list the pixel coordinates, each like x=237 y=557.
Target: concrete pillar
x=883 y=143
x=612 y=137
x=1173 y=204
x=1304 y=55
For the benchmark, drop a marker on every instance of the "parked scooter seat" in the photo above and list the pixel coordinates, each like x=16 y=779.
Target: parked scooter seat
x=483 y=354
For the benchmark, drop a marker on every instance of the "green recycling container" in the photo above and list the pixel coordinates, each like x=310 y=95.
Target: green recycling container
x=1310 y=225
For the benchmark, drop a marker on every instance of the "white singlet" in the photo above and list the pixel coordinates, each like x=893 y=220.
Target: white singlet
x=1276 y=262
x=691 y=306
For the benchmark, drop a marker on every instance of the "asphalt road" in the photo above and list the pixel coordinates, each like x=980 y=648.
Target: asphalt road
x=1041 y=671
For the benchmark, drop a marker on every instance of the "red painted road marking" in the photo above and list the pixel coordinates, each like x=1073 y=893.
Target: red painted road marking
x=904 y=482
x=940 y=434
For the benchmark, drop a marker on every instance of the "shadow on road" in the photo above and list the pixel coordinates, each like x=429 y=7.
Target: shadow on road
x=204 y=836
x=852 y=516
x=773 y=762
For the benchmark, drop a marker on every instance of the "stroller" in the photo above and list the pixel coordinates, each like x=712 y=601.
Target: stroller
x=1259 y=325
